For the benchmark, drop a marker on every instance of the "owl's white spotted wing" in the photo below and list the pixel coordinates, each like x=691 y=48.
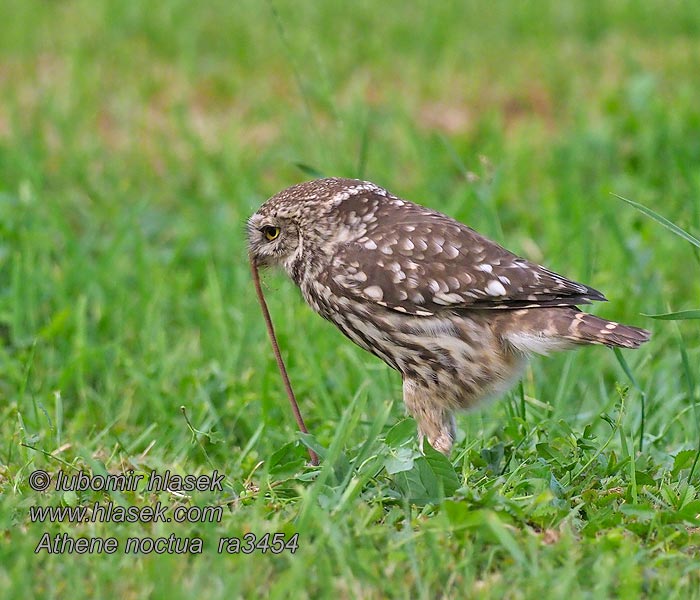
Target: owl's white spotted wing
x=417 y=261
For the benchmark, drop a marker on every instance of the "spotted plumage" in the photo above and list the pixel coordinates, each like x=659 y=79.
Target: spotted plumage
x=455 y=313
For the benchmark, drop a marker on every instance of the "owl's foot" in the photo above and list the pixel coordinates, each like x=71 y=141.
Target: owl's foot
x=442 y=443
x=435 y=422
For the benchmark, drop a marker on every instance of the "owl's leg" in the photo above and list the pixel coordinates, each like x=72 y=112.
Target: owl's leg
x=435 y=422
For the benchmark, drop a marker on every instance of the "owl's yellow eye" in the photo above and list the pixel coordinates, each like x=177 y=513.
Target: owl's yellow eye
x=270 y=232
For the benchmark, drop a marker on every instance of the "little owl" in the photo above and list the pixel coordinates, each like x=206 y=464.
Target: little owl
x=455 y=313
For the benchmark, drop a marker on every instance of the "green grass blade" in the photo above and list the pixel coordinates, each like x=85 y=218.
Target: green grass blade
x=630 y=376
x=662 y=221
x=677 y=316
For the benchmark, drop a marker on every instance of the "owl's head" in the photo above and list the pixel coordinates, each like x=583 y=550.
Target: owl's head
x=302 y=217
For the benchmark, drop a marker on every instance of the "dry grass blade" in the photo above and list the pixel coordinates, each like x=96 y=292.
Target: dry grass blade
x=278 y=358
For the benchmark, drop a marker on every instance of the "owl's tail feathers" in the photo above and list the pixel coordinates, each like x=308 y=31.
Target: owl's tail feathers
x=589 y=329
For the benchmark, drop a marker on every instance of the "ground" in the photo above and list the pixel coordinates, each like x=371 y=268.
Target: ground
x=135 y=139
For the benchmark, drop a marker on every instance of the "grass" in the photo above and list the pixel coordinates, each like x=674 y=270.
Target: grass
x=134 y=141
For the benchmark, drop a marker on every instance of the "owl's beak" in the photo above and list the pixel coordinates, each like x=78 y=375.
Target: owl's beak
x=254 y=260
x=257 y=261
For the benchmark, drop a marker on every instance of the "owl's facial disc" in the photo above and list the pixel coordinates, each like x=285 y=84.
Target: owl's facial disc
x=270 y=239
